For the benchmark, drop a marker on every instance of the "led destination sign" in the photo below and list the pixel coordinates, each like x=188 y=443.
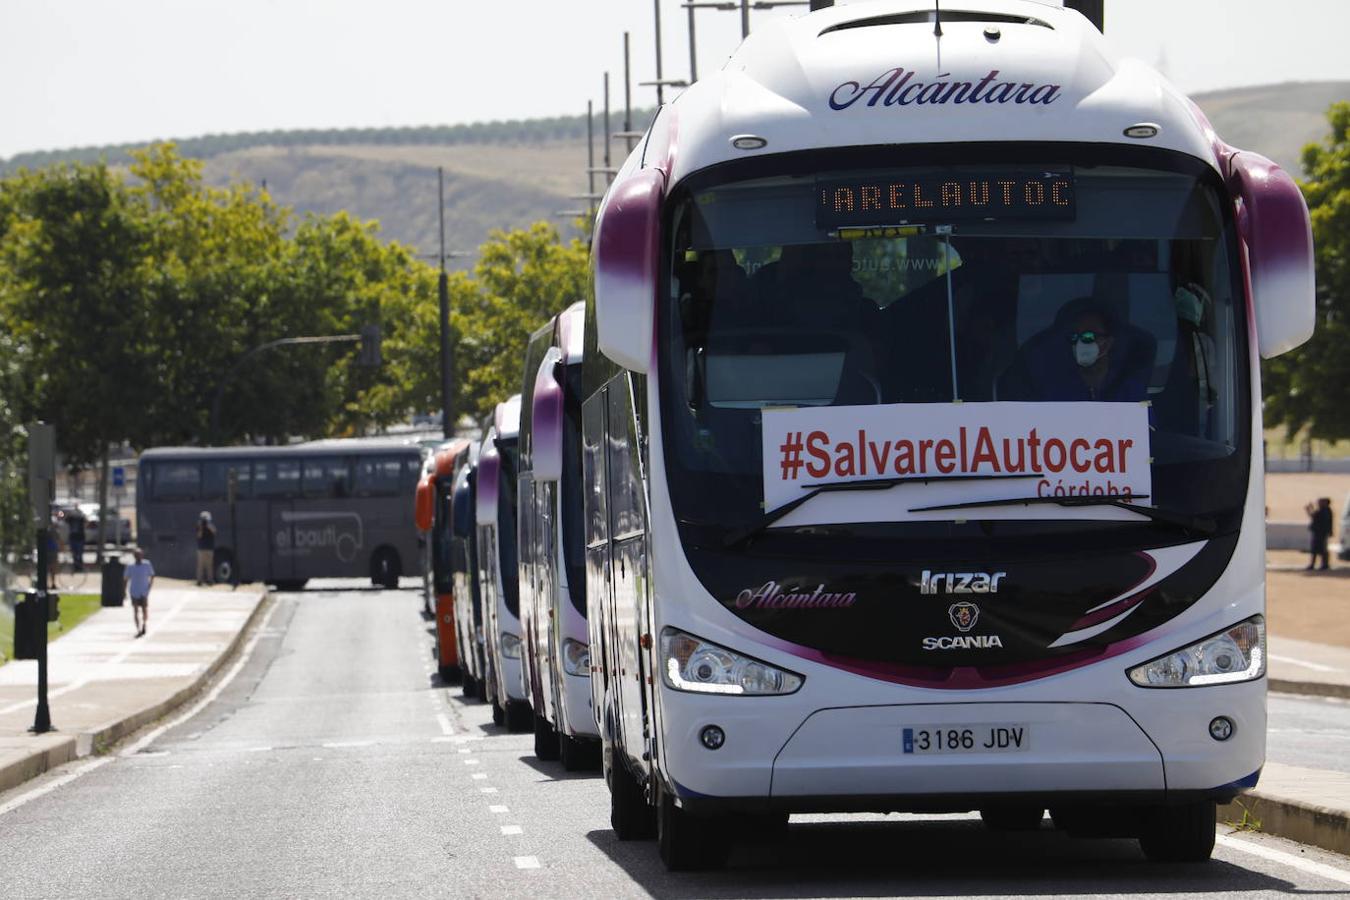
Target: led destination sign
x=944 y=197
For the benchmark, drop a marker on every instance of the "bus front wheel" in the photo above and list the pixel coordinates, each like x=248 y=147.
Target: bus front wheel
x=385 y=568
x=222 y=567
x=545 y=739
x=1180 y=833
x=629 y=815
x=689 y=842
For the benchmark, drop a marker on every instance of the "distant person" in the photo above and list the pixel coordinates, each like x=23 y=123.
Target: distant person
x=206 y=549
x=75 y=536
x=1319 y=524
x=139 y=578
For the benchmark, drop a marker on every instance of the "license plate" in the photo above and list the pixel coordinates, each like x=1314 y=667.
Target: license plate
x=967 y=739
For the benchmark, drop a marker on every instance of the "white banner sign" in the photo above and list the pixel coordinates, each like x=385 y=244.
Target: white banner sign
x=969 y=450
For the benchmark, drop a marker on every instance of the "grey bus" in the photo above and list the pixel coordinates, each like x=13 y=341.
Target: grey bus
x=325 y=509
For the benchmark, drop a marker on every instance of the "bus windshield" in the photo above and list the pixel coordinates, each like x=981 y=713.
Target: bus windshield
x=917 y=286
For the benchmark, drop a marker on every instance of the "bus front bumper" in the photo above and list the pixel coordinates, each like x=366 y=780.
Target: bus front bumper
x=872 y=758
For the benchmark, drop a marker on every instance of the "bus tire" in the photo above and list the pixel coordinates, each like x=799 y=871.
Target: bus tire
x=577 y=754
x=449 y=674
x=629 y=815
x=519 y=716
x=468 y=686
x=1012 y=818
x=498 y=714
x=545 y=739
x=482 y=690
x=1180 y=833
x=689 y=843
x=222 y=566
x=385 y=568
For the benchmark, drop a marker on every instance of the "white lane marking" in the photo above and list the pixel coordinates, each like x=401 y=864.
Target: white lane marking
x=527 y=862
x=1321 y=870
x=465 y=749
x=512 y=829
x=488 y=790
x=470 y=762
x=258 y=750
x=446 y=727
x=338 y=745
x=154 y=734
x=497 y=808
x=1316 y=667
x=477 y=776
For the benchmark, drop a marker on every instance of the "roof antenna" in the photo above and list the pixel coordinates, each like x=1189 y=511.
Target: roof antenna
x=937 y=30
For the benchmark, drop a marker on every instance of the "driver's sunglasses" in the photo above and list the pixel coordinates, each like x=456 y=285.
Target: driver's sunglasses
x=1087 y=337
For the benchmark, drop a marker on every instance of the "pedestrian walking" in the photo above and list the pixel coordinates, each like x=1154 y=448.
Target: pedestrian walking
x=75 y=536
x=137 y=581
x=1320 y=525
x=206 y=549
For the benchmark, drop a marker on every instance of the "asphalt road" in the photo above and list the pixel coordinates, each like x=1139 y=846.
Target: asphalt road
x=334 y=764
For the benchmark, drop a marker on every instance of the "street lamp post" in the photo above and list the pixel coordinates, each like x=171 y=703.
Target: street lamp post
x=443 y=292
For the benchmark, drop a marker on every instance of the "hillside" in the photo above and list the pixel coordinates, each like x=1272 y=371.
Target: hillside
x=508 y=174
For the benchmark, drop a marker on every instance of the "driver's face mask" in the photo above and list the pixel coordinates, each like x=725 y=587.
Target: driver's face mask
x=1087 y=347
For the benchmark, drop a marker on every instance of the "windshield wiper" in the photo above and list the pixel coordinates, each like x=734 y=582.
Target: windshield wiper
x=861 y=484
x=1200 y=524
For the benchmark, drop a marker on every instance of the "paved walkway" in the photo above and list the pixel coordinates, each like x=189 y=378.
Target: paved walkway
x=104 y=683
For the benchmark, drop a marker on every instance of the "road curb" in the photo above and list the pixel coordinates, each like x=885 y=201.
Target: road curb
x=86 y=743
x=1309 y=688
x=1306 y=823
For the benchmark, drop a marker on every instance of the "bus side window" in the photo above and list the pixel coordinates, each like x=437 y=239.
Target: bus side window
x=326 y=477
x=215 y=477
x=177 y=480
x=277 y=478
x=379 y=476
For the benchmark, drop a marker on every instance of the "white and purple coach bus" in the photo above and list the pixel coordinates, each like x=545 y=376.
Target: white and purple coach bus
x=922 y=436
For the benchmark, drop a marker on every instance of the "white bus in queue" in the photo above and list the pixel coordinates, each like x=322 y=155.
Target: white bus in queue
x=323 y=509
x=552 y=546
x=495 y=508
x=468 y=596
x=922 y=436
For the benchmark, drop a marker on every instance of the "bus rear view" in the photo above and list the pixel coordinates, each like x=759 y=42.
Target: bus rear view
x=945 y=367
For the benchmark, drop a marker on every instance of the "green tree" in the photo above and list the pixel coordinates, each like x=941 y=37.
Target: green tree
x=524 y=276
x=1306 y=389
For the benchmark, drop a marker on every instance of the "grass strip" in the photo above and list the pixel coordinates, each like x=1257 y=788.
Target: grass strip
x=75 y=608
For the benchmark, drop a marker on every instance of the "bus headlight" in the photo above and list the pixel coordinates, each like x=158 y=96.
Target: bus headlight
x=693 y=664
x=510 y=646
x=1236 y=654
x=576 y=658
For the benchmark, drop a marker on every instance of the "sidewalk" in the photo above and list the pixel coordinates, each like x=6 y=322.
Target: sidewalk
x=103 y=683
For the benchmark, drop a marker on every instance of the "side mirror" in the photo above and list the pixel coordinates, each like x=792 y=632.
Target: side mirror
x=424 y=504
x=627 y=253
x=1274 y=223
x=489 y=483
x=546 y=419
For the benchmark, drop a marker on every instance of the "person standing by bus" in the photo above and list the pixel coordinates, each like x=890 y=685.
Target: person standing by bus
x=137 y=581
x=75 y=527
x=206 y=549
x=1320 y=525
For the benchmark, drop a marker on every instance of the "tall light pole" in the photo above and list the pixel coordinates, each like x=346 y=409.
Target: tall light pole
x=443 y=290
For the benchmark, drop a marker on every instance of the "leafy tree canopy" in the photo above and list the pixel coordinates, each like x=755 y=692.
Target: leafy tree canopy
x=1306 y=389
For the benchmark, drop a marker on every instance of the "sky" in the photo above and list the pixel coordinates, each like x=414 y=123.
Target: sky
x=89 y=72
